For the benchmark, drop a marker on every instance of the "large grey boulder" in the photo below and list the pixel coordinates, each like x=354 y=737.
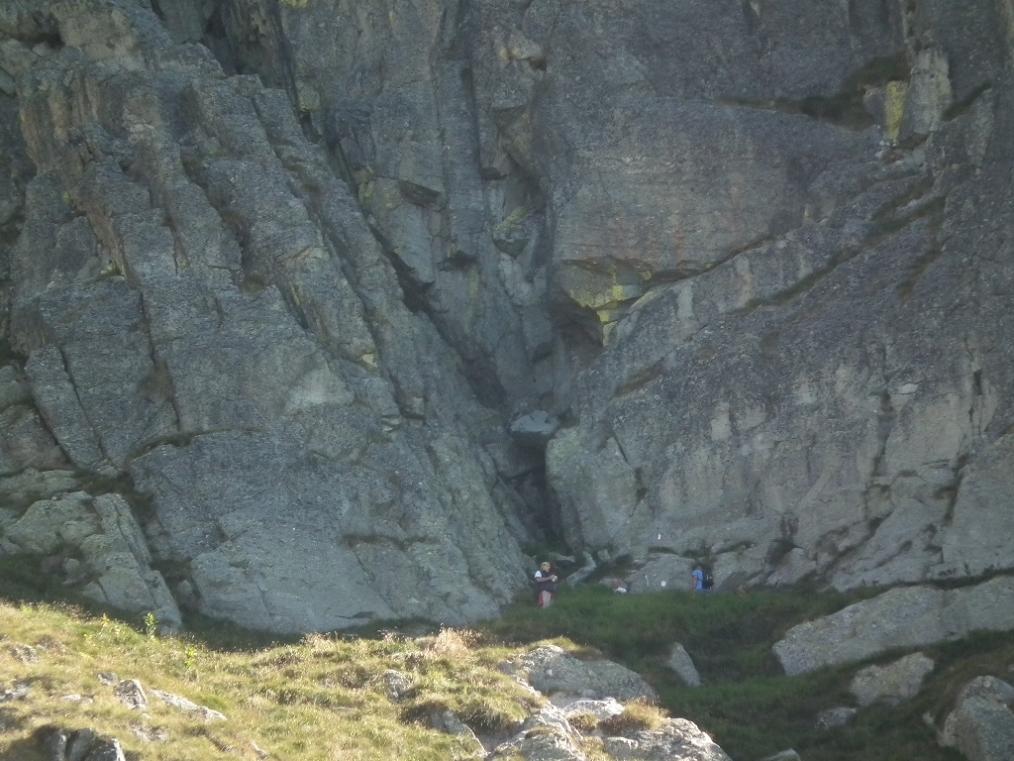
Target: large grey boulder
x=555 y=672
x=906 y=617
x=981 y=726
x=549 y=736
x=891 y=683
x=545 y=736
x=676 y=738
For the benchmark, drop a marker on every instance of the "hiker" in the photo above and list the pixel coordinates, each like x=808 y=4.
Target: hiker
x=701 y=580
x=545 y=584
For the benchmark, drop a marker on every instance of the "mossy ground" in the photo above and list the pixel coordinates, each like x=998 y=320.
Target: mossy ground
x=746 y=703
x=325 y=697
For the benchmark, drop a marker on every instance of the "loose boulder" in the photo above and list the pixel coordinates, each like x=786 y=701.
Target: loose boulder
x=188 y=706
x=555 y=672
x=901 y=617
x=132 y=695
x=981 y=726
x=681 y=664
x=675 y=739
x=893 y=683
x=839 y=716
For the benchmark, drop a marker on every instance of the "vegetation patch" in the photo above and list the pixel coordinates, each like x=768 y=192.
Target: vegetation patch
x=746 y=703
x=637 y=716
x=321 y=697
x=356 y=697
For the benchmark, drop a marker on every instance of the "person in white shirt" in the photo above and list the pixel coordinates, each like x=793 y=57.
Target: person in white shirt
x=545 y=584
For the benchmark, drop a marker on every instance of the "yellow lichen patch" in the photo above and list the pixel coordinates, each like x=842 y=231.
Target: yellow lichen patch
x=611 y=295
x=609 y=315
x=894 y=108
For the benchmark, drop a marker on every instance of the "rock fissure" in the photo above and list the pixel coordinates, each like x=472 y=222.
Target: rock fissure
x=446 y=217
x=96 y=438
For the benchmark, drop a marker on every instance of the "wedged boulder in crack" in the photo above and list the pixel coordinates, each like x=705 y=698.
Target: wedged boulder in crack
x=204 y=308
x=26 y=440
x=899 y=618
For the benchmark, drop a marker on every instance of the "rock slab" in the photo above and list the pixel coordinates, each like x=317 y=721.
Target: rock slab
x=554 y=672
x=892 y=683
x=981 y=726
x=904 y=617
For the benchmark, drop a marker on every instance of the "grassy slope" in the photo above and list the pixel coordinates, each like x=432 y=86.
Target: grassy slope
x=748 y=706
x=320 y=698
x=324 y=697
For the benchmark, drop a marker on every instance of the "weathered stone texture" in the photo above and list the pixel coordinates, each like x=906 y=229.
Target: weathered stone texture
x=681 y=664
x=891 y=683
x=101 y=549
x=553 y=671
x=981 y=726
x=906 y=617
x=203 y=308
x=290 y=276
x=824 y=389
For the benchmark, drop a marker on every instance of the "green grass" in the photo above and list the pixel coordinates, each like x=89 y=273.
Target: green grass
x=746 y=703
x=325 y=696
x=729 y=634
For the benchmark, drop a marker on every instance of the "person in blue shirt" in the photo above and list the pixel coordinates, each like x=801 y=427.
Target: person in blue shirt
x=697 y=579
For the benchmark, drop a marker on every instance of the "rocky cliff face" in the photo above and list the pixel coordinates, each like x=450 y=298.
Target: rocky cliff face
x=826 y=387
x=285 y=276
